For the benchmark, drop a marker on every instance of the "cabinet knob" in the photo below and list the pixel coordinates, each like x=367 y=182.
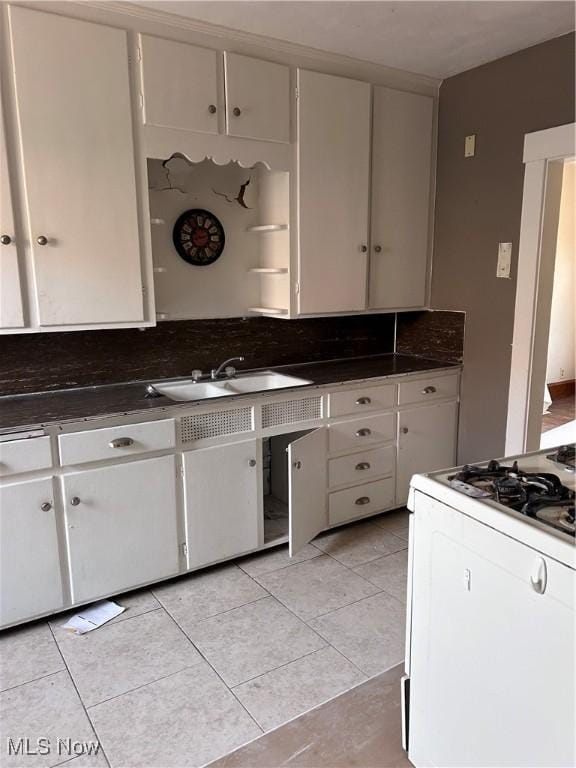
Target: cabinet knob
x=252 y=463
x=429 y=390
x=297 y=465
x=378 y=249
x=236 y=111
x=362 y=500
x=212 y=109
x=46 y=506
x=363 y=248
x=42 y=240
x=5 y=239
x=404 y=430
x=121 y=442
x=75 y=500
x=363 y=401
x=362 y=465
x=364 y=432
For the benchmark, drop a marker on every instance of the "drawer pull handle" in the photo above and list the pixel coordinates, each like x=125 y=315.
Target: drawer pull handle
x=363 y=401
x=121 y=442
x=404 y=430
x=362 y=465
x=429 y=390
x=46 y=506
x=252 y=463
x=75 y=500
x=364 y=432
x=363 y=500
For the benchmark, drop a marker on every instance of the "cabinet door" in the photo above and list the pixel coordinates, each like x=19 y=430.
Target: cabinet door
x=179 y=85
x=11 y=314
x=221 y=500
x=426 y=442
x=122 y=526
x=75 y=126
x=30 y=578
x=307 y=488
x=257 y=98
x=333 y=178
x=401 y=162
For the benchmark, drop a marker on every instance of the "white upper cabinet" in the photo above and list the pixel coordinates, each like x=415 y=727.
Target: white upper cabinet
x=401 y=163
x=333 y=182
x=179 y=85
x=11 y=314
x=75 y=130
x=257 y=99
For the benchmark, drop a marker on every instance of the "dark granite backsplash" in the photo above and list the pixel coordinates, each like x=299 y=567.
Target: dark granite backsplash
x=42 y=362
x=47 y=361
x=436 y=335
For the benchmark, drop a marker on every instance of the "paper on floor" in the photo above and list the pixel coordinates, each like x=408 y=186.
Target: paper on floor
x=93 y=616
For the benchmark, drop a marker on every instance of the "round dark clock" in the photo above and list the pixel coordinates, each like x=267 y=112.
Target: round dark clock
x=198 y=237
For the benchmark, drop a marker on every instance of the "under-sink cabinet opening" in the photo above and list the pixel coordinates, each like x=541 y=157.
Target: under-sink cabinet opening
x=275 y=484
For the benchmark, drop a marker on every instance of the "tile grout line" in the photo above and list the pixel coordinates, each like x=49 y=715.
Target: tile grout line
x=281 y=666
x=328 y=643
x=79 y=697
x=221 y=613
x=33 y=680
x=138 y=687
x=213 y=668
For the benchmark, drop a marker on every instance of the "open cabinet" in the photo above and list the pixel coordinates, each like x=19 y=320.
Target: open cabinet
x=294 y=487
x=251 y=208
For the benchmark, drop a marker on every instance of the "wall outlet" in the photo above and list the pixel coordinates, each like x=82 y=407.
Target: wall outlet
x=504 y=260
x=470 y=145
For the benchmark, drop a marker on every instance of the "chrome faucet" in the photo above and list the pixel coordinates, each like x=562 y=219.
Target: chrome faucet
x=229 y=370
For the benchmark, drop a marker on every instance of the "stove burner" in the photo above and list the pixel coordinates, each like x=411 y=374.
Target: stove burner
x=565 y=455
x=539 y=495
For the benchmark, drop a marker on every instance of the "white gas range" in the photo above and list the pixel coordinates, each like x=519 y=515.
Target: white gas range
x=490 y=646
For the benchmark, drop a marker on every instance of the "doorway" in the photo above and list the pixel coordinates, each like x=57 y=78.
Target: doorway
x=546 y=156
x=558 y=421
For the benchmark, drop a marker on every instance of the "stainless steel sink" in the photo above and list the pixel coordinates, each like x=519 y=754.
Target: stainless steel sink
x=239 y=385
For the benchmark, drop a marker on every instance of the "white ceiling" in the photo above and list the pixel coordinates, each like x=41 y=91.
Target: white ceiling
x=431 y=38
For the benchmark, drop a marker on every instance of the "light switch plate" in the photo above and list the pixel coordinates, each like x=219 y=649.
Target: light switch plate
x=470 y=146
x=504 y=260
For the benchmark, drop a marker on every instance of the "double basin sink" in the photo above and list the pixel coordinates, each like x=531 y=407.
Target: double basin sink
x=241 y=384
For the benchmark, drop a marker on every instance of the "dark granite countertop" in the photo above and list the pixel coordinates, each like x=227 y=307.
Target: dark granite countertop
x=48 y=408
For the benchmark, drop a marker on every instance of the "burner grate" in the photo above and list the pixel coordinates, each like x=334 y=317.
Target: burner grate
x=540 y=495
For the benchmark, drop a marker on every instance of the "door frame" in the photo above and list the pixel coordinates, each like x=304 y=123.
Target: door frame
x=544 y=156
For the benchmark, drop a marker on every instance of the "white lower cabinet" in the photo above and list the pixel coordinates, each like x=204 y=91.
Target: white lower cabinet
x=121 y=524
x=30 y=576
x=221 y=501
x=426 y=442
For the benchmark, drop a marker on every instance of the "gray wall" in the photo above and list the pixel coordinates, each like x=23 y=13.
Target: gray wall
x=478 y=205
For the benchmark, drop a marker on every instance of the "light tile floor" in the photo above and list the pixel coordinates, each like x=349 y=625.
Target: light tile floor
x=196 y=667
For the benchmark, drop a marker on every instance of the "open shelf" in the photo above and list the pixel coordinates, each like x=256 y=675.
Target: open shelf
x=267 y=228
x=269 y=270
x=268 y=310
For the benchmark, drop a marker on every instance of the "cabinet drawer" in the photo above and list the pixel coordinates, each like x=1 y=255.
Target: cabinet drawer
x=361 y=500
x=362 y=399
x=117 y=442
x=351 y=435
x=361 y=466
x=434 y=388
x=25 y=455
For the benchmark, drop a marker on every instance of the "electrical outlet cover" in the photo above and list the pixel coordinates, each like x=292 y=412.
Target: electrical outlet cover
x=504 y=260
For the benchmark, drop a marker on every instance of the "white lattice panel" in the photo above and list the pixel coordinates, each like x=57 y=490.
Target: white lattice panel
x=291 y=411
x=214 y=424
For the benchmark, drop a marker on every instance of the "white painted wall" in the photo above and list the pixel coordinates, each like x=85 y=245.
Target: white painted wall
x=562 y=340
